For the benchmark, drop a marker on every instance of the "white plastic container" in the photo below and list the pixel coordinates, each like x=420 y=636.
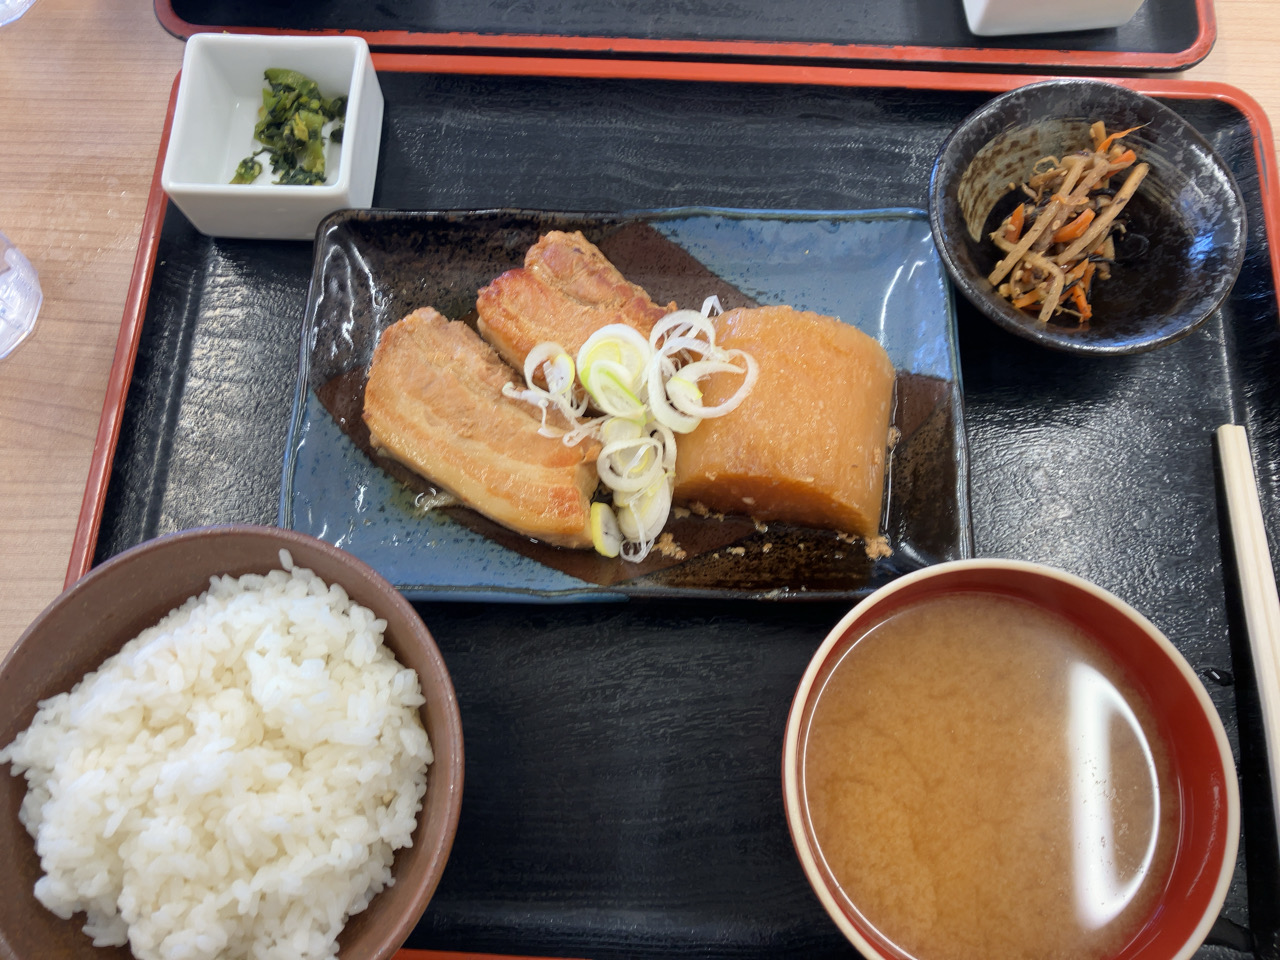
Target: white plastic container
x=213 y=120
x=997 y=18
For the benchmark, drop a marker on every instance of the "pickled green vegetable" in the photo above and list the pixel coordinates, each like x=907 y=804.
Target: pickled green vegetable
x=248 y=171
x=290 y=128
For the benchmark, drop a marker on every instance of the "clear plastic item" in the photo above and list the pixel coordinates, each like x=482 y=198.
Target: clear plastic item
x=20 y=296
x=11 y=10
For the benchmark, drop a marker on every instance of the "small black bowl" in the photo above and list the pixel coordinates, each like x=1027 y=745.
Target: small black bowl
x=1185 y=235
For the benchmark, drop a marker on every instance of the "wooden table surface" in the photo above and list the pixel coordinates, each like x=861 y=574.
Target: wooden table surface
x=84 y=86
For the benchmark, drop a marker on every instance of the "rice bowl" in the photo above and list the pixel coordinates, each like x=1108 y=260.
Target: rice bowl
x=235 y=780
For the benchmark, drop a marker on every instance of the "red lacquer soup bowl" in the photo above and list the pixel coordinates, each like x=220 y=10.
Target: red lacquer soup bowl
x=991 y=757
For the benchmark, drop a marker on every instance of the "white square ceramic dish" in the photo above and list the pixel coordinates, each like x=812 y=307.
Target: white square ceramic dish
x=219 y=93
x=998 y=18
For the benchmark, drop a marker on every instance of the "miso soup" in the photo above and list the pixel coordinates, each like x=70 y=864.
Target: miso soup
x=983 y=784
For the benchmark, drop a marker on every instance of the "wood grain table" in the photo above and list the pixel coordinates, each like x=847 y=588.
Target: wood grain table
x=84 y=86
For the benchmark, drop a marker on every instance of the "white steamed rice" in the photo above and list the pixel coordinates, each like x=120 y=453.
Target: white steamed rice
x=234 y=782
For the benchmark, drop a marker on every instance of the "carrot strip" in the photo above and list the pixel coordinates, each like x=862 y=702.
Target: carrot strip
x=1125 y=159
x=1027 y=299
x=1105 y=145
x=1075 y=228
x=1014 y=230
x=1082 y=304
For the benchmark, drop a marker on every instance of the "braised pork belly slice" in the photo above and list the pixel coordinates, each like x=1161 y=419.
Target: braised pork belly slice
x=566 y=291
x=434 y=402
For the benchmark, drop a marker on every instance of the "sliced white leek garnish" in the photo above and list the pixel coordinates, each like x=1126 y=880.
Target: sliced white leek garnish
x=605 y=535
x=558 y=373
x=627 y=466
x=682 y=387
x=640 y=472
x=668 y=439
x=614 y=389
x=616 y=429
x=643 y=514
x=555 y=364
x=611 y=365
x=616 y=343
x=659 y=376
x=681 y=323
x=647 y=391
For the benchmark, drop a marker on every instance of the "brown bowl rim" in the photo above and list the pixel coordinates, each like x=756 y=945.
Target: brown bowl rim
x=440 y=840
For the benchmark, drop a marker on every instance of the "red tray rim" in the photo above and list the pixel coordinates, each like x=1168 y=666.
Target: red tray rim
x=86 y=532
x=90 y=517
x=899 y=54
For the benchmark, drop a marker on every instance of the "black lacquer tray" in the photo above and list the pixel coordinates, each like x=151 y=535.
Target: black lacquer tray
x=623 y=794
x=1163 y=35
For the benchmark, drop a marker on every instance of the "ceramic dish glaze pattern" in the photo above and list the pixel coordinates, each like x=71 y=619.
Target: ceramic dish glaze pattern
x=877 y=270
x=1178 y=254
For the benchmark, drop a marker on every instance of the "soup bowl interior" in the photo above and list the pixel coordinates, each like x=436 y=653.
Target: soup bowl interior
x=1184 y=239
x=1200 y=766
x=114 y=602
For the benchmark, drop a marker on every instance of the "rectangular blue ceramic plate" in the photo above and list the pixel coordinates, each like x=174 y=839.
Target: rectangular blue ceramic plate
x=877 y=270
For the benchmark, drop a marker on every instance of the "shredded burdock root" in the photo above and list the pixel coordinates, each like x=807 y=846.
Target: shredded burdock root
x=1059 y=241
